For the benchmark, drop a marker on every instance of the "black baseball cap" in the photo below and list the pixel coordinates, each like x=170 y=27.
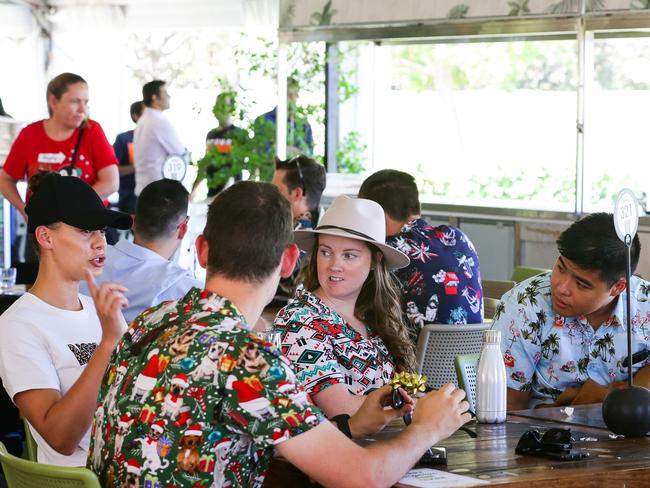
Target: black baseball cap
x=70 y=200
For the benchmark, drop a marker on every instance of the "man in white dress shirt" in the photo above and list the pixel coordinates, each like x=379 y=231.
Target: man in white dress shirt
x=155 y=138
x=144 y=266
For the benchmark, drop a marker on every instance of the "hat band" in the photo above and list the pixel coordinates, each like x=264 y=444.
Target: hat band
x=351 y=231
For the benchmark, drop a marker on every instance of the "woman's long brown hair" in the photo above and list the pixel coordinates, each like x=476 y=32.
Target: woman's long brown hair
x=378 y=306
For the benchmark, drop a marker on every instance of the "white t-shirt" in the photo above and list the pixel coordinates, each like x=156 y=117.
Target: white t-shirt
x=44 y=347
x=153 y=140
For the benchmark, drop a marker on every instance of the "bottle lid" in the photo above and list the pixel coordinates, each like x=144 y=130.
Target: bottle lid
x=492 y=336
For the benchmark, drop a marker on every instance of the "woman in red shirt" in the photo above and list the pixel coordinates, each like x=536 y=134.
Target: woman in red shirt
x=49 y=145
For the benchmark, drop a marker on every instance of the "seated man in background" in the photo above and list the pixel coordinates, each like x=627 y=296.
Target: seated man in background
x=442 y=285
x=193 y=397
x=563 y=333
x=302 y=181
x=145 y=266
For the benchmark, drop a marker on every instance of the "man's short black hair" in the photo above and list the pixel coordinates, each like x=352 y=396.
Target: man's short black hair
x=160 y=209
x=395 y=191
x=136 y=109
x=150 y=89
x=592 y=243
x=248 y=228
x=307 y=173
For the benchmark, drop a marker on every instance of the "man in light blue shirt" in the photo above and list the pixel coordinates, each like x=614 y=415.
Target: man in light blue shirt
x=144 y=266
x=563 y=333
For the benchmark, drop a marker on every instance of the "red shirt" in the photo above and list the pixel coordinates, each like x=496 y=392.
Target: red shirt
x=33 y=150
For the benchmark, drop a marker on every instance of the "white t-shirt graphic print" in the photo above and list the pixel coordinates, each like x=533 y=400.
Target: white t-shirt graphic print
x=44 y=347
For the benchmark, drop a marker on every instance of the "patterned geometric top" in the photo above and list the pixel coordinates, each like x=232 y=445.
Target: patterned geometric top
x=546 y=353
x=193 y=398
x=325 y=350
x=442 y=285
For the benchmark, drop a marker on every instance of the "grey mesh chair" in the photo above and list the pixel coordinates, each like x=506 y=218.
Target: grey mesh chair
x=439 y=344
x=466 y=367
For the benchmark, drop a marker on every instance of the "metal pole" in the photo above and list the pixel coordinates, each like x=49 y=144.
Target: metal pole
x=628 y=319
x=281 y=112
x=331 y=106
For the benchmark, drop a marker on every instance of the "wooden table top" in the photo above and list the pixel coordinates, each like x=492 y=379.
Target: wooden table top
x=491 y=456
x=583 y=415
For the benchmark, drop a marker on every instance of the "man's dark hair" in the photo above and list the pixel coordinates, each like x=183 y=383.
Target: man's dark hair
x=248 y=228
x=592 y=243
x=136 y=109
x=306 y=173
x=395 y=191
x=59 y=85
x=160 y=208
x=150 y=89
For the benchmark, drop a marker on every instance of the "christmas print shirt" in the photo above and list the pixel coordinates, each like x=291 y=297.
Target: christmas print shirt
x=193 y=398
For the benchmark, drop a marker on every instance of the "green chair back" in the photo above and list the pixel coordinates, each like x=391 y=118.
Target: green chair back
x=466 y=366
x=521 y=273
x=496 y=288
x=31 y=449
x=489 y=307
x=21 y=473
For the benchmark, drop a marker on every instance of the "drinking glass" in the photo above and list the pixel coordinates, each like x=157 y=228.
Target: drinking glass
x=273 y=336
x=7 y=278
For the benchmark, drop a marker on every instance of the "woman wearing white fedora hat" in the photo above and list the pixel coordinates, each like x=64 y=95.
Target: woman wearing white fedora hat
x=344 y=332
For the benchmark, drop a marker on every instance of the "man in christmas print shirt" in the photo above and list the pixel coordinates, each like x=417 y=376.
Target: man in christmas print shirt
x=235 y=395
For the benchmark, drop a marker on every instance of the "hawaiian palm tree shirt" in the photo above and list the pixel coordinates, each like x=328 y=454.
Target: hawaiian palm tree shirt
x=546 y=353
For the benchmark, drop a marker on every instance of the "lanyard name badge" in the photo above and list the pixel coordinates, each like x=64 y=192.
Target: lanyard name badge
x=71 y=169
x=174 y=167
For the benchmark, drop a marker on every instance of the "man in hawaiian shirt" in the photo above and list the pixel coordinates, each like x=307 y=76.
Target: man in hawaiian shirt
x=442 y=285
x=192 y=397
x=563 y=333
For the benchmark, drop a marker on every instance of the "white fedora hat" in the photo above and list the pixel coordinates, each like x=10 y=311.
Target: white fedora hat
x=354 y=218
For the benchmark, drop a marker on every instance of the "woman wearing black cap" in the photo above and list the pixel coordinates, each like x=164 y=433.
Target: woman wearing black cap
x=54 y=343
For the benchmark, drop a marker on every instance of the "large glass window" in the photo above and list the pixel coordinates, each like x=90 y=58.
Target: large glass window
x=616 y=128
x=484 y=123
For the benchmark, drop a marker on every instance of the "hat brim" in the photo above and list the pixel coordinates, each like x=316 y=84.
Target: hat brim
x=305 y=238
x=100 y=219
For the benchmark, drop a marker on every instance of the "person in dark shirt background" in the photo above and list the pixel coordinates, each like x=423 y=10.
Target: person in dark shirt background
x=442 y=285
x=123 y=147
x=221 y=141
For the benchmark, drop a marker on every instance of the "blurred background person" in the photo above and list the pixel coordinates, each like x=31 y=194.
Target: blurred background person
x=123 y=147
x=219 y=145
x=155 y=137
x=67 y=142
